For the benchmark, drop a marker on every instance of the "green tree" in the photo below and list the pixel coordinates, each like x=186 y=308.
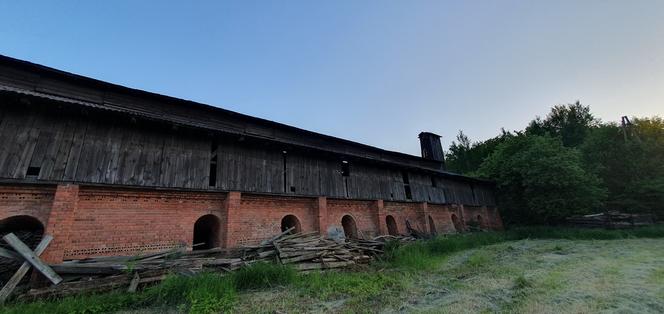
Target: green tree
x=630 y=163
x=465 y=157
x=539 y=180
x=571 y=123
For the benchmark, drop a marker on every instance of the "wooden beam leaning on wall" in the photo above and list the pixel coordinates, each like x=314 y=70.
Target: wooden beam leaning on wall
x=31 y=259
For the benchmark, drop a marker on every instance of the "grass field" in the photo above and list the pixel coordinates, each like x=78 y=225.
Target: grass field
x=533 y=270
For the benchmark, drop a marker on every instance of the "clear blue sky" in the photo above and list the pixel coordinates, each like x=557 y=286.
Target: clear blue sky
x=377 y=72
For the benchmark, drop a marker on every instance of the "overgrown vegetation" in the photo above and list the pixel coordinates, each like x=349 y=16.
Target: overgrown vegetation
x=569 y=163
x=214 y=293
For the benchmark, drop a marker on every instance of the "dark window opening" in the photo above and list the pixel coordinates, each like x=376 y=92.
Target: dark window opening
x=285 y=171
x=213 y=165
x=213 y=172
x=406 y=185
x=472 y=191
x=33 y=171
x=206 y=232
x=433 y=182
x=404 y=176
x=292 y=189
x=350 y=228
x=290 y=221
x=345 y=168
x=409 y=195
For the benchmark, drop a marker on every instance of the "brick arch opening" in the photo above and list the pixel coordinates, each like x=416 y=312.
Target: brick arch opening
x=206 y=232
x=391 y=225
x=291 y=221
x=457 y=224
x=27 y=228
x=432 y=226
x=350 y=227
x=480 y=221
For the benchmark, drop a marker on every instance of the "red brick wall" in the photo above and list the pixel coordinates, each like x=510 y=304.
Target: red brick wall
x=442 y=217
x=119 y=222
x=364 y=213
x=260 y=216
x=406 y=211
x=93 y=221
x=34 y=201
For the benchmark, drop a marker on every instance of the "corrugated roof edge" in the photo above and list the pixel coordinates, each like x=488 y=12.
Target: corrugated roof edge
x=88 y=81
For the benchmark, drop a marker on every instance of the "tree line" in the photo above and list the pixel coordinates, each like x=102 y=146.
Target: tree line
x=569 y=163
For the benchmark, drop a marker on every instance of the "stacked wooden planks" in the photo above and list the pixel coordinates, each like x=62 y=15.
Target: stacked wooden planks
x=302 y=251
x=611 y=220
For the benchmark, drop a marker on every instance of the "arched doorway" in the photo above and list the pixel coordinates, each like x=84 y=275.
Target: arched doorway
x=456 y=223
x=391 y=225
x=480 y=222
x=206 y=232
x=432 y=227
x=290 y=221
x=27 y=228
x=350 y=228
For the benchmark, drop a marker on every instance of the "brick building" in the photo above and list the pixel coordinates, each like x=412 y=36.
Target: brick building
x=110 y=170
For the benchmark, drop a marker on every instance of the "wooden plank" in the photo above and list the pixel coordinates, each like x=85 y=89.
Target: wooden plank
x=32 y=258
x=133 y=285
x=20 y=273
x=10 y=254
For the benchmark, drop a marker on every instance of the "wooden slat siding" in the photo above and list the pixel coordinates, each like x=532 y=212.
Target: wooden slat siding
x=29 y=145
x=93 y=153
x=249 y=168
x=330 y=179
x=51 y=139
x=46 y=137
x=16 y=142
x=35 y=78
x=168 y=160
x=73 y=157
x=153 y=154
x=303 y=174
x=7 y=131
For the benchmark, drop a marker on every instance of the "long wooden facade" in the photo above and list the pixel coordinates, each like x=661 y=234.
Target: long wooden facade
x=54 y=132
x=68 y=143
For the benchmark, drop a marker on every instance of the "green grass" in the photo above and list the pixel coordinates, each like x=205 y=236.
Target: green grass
x=214 y=293
x=263 y=275
x=334 y=285
x=424 y=255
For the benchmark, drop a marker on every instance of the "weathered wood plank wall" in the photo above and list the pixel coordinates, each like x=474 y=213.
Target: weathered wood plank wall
x=42 y=143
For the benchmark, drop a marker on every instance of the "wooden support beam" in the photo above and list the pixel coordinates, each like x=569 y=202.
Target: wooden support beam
x=31 y=258
x=20 y=273
x=10 y=254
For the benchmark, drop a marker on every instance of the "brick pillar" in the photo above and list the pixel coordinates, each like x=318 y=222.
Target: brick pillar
x=61 y=222
x=462 y=217
x=380 y=214
x=424 y=213
x=321 y=213
x=231 y=212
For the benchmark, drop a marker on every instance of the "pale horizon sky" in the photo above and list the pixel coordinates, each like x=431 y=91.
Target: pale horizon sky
x=376 y=72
